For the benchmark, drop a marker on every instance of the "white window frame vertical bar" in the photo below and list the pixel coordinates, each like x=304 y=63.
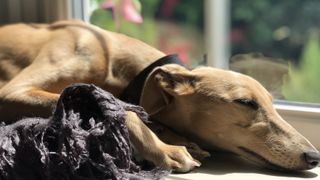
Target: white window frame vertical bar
x=79 y=9
x=217 y=28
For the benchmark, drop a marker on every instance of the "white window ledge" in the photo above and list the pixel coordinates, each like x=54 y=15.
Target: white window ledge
x=305 y=109
x=224 y=166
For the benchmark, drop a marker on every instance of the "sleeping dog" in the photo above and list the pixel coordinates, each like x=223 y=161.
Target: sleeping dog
x=212 y=107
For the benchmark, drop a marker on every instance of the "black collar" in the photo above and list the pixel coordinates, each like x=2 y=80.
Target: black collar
x=132 y=92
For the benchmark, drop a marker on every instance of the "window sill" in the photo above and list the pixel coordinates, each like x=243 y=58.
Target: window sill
x=305 y=109
x=224 y=166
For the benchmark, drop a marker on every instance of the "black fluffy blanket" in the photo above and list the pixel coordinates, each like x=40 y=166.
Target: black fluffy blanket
x=86 y=138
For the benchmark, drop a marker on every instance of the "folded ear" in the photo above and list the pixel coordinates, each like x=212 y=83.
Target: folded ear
x=164 y=84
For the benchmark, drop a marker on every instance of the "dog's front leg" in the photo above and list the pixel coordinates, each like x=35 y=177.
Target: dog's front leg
x=169 y=136
x=156 y=151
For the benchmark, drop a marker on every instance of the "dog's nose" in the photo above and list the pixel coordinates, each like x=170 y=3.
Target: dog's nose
x=312 y=158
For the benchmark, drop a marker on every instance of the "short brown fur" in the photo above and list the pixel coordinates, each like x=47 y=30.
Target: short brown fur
x=207 y=105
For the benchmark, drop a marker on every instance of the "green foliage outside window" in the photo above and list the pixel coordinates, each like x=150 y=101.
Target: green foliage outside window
x=170 y=26
x=303 y=82
x=285 y=29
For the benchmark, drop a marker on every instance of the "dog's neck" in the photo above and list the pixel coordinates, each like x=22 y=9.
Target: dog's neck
x=132 y=92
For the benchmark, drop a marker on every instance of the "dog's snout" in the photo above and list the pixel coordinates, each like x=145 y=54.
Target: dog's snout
x=312 y=158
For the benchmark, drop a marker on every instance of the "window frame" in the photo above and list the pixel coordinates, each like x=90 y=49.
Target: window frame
x=300 y=115
x=79 y=9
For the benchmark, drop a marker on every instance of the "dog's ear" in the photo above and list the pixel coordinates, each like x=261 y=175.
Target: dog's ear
x=165 y=83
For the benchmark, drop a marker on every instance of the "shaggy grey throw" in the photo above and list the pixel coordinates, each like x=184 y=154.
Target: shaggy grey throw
x=86 y=138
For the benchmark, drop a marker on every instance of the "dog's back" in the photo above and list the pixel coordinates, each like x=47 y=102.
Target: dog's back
x=21 y=44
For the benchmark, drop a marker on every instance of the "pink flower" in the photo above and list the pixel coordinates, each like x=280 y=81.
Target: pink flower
x=108 y=5
x=127 y=9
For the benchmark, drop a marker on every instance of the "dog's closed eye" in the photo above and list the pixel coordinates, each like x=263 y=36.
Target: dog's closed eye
x=248 y=103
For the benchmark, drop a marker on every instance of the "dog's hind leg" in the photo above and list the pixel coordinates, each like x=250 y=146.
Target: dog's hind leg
x=25 y=95
x=17 y=102
x=36 y=89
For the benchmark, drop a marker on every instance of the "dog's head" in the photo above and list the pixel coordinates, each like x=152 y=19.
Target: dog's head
x=227 y=110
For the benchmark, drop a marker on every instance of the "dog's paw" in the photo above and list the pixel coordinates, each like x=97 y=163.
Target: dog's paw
x=195 y=150
x=178 y=159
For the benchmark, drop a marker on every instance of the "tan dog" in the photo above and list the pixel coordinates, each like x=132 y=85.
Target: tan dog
x=216 y=108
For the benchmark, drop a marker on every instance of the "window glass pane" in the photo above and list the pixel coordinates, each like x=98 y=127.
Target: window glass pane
x=172 y=26
x=277 y=43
